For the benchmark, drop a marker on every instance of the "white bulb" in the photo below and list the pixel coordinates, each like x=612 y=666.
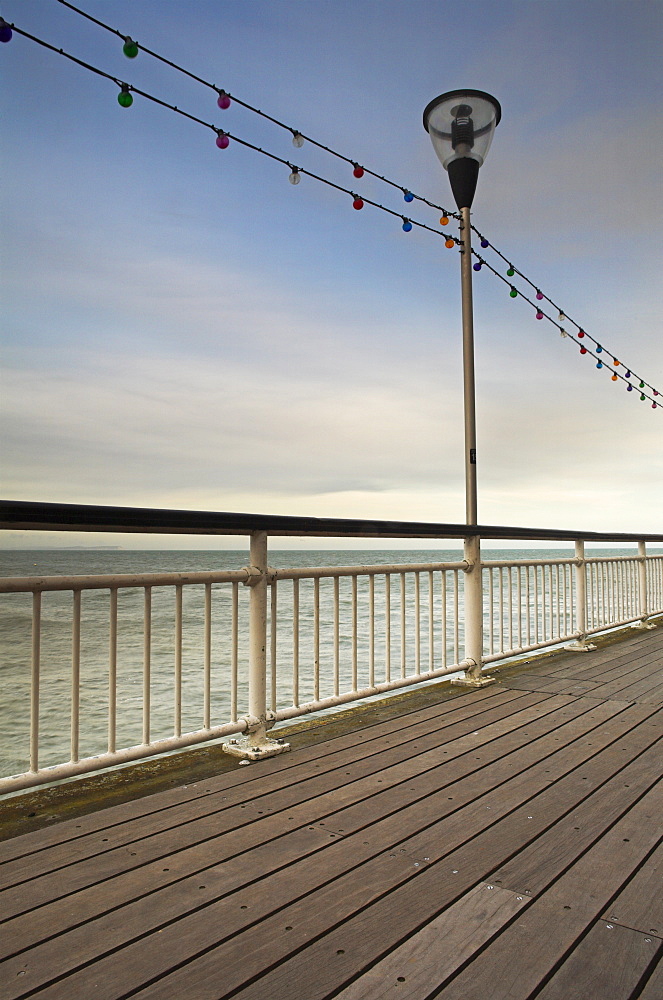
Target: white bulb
x=562 y=318
x=298 y=140
x=295 y=177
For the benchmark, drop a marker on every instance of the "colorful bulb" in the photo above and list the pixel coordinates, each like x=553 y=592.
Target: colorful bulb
x=614 y=378
x=444 y=221
x=510 y=273
x=297 y=140
x=656 y=392
x=5 y=31
x=513 y=293
x=628 y=374
x=615 y=362
x=581 y=333
x=653 y=406
x=294 y=177
x=642 y=397
x=598 y=348
x=130 y=48
x=539 y=314
x=449 y=244
x=408 y=196
x=407 y=225
x=485 y=244
x=539 y=295
x=124 y=98
x=599 y=364
x=222 y=141
x=358 y=204
x=223 y=101
x=358 y=171
x=477 y=266
x=629 y=388
x=642 y=385
x=583 y=350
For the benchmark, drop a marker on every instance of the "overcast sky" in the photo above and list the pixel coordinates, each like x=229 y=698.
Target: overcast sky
x=184 y=328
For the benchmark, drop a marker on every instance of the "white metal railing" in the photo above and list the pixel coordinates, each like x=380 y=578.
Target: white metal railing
x=159 y=662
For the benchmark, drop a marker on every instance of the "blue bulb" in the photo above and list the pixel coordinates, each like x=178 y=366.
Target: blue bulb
x=408 y=196
x=477 y=267
x=407 y=226
x=599 y=364
x=598 y=348
x=485 y=243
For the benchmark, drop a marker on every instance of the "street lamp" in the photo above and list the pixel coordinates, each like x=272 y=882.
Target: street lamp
x=461 y=125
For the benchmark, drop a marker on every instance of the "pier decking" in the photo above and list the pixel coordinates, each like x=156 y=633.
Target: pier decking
x=496 y=843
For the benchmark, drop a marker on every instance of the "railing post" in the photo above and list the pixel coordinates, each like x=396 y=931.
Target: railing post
x=580 y=645
x=643 y=607
x=473 y=605
x=256 y=744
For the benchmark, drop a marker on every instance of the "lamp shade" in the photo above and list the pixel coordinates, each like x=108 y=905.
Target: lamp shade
x=461 y=124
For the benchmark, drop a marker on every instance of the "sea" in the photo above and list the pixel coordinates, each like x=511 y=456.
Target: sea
x=56 y=641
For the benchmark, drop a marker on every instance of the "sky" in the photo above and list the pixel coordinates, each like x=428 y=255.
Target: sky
x=183 y=328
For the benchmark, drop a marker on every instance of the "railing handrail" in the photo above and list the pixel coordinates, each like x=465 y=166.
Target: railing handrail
x=32 y=515
x=112 y=581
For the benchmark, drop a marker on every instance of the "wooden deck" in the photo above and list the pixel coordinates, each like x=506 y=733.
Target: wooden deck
x=500 y=843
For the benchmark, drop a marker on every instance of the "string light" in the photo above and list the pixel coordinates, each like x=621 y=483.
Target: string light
x=294 y=177
x=358 y=171
x=224 y=100
x=407 y=226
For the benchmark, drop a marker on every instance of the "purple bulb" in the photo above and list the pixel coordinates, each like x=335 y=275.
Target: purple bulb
x=539 y=295
x=539 y=314
x=223 y=101
x=222 y=141
x=5 y=32
x=485 y=244
x=477 y=267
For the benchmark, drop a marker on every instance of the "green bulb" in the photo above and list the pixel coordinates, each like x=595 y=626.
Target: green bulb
x=642 y=396
x=124 y=99
x=130 y=48
x=513 y=293
x=510 y=272
x=642 y=385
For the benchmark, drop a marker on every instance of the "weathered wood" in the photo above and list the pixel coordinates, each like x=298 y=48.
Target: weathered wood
x=608 y=962
x=640 y=903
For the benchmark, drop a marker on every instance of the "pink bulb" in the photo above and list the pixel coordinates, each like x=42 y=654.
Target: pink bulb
x=222 y=141
x=539 y=295
x=539 y=314
x=223 y=101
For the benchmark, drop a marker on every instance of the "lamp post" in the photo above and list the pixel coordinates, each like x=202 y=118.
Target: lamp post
x=461 y=124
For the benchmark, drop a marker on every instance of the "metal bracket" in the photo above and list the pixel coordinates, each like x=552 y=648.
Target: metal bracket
x=473 y=677
x=255 y=744
x=643 y=624
x=580 y=646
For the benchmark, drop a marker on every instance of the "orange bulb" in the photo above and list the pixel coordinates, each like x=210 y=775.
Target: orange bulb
x=449 y=244
x=614 y=378
x=444 y=221
x=616 y=363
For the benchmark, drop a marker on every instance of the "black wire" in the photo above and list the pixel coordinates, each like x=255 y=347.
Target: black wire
x=171 y=107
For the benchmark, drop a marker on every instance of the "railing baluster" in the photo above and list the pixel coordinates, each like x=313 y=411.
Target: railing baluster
x=387 y=627
x=234 y=653
x=147 y=656
x=403 y=650
x=371 y=631
x=501 y=592
x=75 y=675
x=295 y=642
x=316 y=638
x=431 y=624
x=337 y=636
x=112 y=672
x=207 y=669
x=354 y=633
x=177 y=694
x=443 y=581
x=456 y=617
x=34 y=681
x=510 y=579
x=417 y=624
x=491 y=611
x=273 y=627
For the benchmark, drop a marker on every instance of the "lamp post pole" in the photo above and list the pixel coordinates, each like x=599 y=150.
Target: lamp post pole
x=469 y=394
x=461 y=125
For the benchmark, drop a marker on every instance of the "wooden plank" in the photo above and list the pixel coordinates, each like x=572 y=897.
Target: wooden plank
x=78 y=839
x=608 y=962
x=154 y=877
x=552 y=685
x=544 y=933
x=417 y=967
x=383 y=918
x=610 y=659
x=653 y=987
x=640 y=903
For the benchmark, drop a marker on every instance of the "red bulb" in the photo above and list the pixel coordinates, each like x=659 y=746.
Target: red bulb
x=581 y=333
x=357 y=203
x=583 y=350
x=358 y=172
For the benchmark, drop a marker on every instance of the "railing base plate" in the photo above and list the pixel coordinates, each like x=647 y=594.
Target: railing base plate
x=243 y=749
x=643 y=625
x=474 y=682
x=580 y=647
